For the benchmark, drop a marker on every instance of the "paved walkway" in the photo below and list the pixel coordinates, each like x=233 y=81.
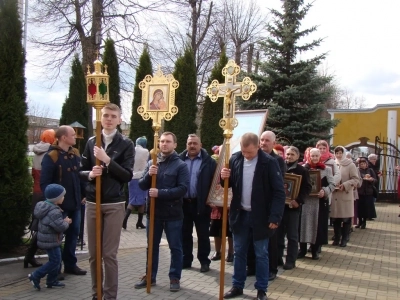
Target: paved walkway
x=368 y=268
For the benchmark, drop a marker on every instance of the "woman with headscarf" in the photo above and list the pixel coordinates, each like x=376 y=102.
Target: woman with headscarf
x=342 y=206
x=46 y=139
x=328 y=159
x=137 y=197
x=314 y=215
x=289 y=226
x=366 y=206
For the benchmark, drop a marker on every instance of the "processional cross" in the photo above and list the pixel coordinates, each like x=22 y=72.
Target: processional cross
x=229 y=90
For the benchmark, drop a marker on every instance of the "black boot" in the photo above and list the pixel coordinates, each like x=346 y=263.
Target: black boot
x=139 y=223
x=302 y=251
x=30 y=255
x=336 y=229
x=314 y=251
x=127 y=214
x=345 y=234
x=364 y=223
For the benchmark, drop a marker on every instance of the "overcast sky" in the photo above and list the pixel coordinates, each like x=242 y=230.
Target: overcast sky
x=361 y=37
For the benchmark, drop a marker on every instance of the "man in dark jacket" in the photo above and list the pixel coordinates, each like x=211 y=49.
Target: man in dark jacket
x=267 y=143
x=201 y=171
x=60 y=165
x=256 y=210
x=116 y=158
x=171 y=185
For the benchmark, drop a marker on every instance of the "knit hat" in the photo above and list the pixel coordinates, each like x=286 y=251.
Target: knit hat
x=54 y=192
x=141 y=141
x=48 y=136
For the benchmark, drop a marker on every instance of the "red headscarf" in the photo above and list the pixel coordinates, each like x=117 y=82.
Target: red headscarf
x=307 y=156
x=327 y=155
x=318 y=165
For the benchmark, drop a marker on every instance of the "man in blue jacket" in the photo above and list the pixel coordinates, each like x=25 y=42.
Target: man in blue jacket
x=60 y=165
x=195 y=210
x=172 y=183
x=256 y=209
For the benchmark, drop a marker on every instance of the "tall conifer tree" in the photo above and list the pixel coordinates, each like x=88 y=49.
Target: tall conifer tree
x=15 y=180
x=211 y=132
x=110 y=59
x=140 y=127
x=290 y=87
x=184 y=123
x=75 y=107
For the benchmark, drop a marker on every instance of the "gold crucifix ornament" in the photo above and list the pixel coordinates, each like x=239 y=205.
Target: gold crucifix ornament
x=158 y=97
x=229 y=90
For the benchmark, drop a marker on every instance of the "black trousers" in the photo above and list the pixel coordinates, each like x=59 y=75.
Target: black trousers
x=272 y=254
x=202 y=225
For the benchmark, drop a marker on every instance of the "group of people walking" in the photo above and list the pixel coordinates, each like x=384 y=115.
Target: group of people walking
x=260 y=215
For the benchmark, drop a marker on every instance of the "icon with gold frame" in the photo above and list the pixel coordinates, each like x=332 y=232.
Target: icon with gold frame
x=291 y=185
x=158 y=97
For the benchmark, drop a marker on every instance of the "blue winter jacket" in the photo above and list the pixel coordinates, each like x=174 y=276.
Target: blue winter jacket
x=61 y=167
x=172 y=183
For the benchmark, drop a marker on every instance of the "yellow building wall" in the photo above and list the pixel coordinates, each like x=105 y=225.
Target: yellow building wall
x=354 y=125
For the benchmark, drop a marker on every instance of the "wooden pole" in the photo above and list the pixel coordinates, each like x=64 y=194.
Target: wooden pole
x=152 y=208
x=99 y=272
x=224 y=217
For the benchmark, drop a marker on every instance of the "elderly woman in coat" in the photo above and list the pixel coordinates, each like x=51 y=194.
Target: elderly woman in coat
x=342 y=206
x=315 y=210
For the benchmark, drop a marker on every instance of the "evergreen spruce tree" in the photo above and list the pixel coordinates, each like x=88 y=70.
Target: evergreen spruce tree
x=291 y=87
x=110 y=59
x=140 y=127
x=15 y=179
x=211 y=132
x=184 y=123
x=75 y=106
x=63 y=120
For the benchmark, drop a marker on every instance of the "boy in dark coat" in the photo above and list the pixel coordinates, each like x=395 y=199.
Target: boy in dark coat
x=51 y=227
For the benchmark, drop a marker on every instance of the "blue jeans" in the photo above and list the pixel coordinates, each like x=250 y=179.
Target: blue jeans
x=71 y=237
x=241 y=240
x=173 y=231
x=51 y=267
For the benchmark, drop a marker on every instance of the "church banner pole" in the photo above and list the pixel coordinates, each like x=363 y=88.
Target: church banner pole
x=97 y=95
x=229 y=90
x=158 y=103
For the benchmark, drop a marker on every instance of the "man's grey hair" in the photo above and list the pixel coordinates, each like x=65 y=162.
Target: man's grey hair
x=271 y=134
x=372 y=156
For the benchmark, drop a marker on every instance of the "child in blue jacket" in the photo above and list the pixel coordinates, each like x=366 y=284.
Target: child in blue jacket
x=51 y=228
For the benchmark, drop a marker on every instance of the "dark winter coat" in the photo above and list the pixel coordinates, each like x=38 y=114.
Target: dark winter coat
x=51 y=225
x=204 y=180
x=172 y=183
x=367 y=186
x=281 y=163
x=61 y=167
x=267 y=196
x=119 y=171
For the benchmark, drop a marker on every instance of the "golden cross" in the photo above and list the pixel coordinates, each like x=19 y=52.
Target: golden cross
x=230 y=90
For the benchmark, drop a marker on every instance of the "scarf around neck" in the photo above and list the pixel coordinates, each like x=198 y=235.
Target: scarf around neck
x=318 y=165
